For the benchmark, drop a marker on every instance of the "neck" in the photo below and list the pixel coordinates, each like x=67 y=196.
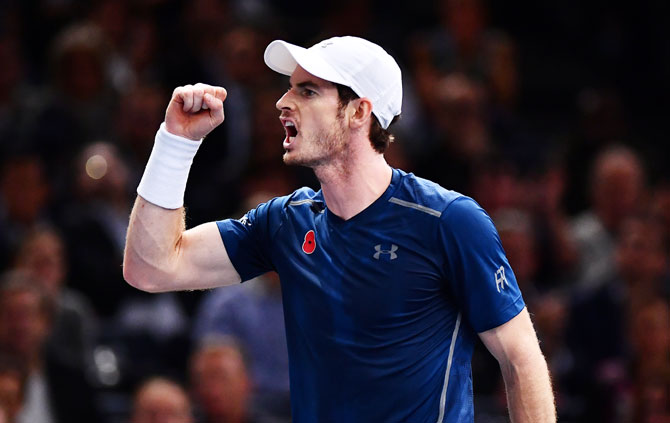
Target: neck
x=349 y=188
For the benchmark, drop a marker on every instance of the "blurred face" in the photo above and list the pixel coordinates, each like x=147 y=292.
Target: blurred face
x=617 y=189
x=82 y=74
x=313 y=120
x=520 y=252
x=651 y=332
x=25 y=190
x=220 y=382
x=44 y=257
x=23 y=324
x=661 y=207
x=162 y=402
x=10 y=394
x=639 y=254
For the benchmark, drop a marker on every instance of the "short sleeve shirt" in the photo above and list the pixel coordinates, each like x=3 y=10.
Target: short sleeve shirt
x=382 y=310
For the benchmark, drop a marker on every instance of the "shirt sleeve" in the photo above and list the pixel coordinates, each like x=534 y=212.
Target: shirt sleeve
x=477 y=270
x=248 y=239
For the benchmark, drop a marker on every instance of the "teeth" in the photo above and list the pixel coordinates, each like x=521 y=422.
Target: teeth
x=289 y=124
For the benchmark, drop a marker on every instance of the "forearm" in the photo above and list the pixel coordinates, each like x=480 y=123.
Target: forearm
x=160 y=254
x=529 y=394
x=152 y=245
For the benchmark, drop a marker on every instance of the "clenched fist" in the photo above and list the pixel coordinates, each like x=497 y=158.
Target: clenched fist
x=195 y=110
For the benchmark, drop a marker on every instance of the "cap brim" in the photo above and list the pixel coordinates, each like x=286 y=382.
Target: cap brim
x=283 y=57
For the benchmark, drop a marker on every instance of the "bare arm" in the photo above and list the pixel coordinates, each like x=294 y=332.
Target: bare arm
x=160 y=255
x=529 y=394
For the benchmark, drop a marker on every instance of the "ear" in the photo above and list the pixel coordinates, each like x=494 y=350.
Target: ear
x=362 y=111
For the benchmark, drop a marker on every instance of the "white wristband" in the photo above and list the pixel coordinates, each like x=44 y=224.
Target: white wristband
x=164 y=179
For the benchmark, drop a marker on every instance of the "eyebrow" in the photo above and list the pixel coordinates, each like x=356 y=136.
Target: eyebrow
x=306 y=84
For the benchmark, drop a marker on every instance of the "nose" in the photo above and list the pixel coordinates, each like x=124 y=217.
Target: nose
x=284 y=102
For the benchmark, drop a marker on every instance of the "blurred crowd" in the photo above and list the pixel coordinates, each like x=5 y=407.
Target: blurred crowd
x=549 y=116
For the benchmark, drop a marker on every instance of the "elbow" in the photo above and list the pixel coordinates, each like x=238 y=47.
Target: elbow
x=133 y=276
x=139 y=277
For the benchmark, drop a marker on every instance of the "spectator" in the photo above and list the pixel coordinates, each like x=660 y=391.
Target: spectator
x=55 y=391
x=76 y=110
x=160 y=400
x=94 y=227
x=651 y=367
x=617 y=188
x=12 y=387
x=598 y=331
x=74 y=333
x=24 y=195
x=461 y=139
x=556 y=249
x=252 y=313
x=548 y=306
x=220 y=383
x=15 y=94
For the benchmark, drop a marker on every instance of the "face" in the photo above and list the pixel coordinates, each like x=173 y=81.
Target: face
x=640 y=254
x=162 y=402
x=220 y=382
x=618 y=187
x=10 y=394
x=651 y=331
x=43 y=255
x=313 y=120
x=23 y=324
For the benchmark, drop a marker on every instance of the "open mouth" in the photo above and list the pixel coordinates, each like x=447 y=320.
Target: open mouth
x=290 y=128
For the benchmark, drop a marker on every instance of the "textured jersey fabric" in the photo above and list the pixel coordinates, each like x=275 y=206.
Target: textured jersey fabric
x=382 y=310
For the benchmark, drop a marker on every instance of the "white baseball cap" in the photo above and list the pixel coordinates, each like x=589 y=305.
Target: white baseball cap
x=354 y=62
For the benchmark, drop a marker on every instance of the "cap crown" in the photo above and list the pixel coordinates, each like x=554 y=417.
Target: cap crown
x=354 y=62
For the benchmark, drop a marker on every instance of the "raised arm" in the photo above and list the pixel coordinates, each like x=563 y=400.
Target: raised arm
x=530 y=398
x=160 y=254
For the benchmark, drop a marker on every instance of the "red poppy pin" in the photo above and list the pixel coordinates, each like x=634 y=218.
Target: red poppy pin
x=310 y=243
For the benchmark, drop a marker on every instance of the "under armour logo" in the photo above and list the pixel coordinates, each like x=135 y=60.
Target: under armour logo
x=501 y=280
x=391 y=252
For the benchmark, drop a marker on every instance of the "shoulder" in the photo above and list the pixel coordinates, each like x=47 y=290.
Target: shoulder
x=303 y=196
x=459 y=215
x=278 y=205
x=425 y=195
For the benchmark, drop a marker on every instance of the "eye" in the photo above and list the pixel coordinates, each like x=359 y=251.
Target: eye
x=306 y=92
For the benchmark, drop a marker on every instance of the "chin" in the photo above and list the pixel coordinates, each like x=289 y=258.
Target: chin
x=289 y=158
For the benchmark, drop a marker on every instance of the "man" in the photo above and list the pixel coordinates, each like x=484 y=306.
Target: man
x=160 y=400
x=55 y=390
x=387 y=279
x=220 y=382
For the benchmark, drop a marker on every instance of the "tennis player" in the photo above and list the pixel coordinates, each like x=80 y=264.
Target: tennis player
x=388 y=279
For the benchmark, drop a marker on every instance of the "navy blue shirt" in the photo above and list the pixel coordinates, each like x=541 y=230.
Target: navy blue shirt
x=382 y=310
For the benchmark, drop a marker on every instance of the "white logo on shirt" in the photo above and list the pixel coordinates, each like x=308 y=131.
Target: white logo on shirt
x=391 y=252
x=244 y=220
x=501 y=280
